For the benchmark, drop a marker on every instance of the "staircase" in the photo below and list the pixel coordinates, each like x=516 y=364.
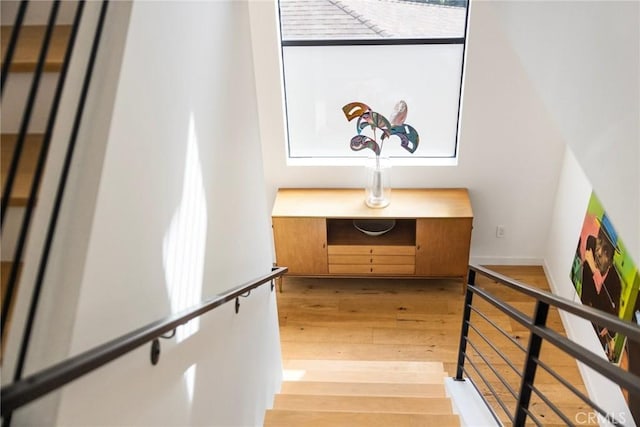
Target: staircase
x=16 y=90
x=362 y=393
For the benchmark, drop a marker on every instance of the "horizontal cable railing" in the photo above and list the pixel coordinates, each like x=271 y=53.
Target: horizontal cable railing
x=19 y=393
x=513 y=400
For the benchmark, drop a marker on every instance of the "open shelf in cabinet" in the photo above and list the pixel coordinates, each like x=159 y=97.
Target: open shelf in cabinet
x=343 y=232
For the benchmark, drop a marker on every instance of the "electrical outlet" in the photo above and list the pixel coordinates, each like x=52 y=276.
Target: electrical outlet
x=500 y=231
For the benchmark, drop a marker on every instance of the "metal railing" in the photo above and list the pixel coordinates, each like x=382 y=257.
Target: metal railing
x=42 y=154
x=26 y=390
x=43 y=151
x=511 y=402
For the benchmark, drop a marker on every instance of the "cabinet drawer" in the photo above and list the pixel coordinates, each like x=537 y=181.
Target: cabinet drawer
x=370 y=250
x=393 y=259
x=372 y=259
x=385 y=269
x=351 y=259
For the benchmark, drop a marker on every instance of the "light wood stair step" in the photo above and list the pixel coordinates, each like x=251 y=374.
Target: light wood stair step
x=25 y=57
x=365 y=376
x=26 y=167
x=287 y=418
x=5 y=270
x=361 y=393
x=373 y=404
x=362 y=389
x=363 y=365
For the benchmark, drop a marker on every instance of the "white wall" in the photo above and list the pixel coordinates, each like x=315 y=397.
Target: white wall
x=180 y=215
x=510 y=150
x=588 y=79
x=584 y=60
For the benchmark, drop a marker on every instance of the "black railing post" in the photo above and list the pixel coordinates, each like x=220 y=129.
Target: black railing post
x=464 y=331
x=53 y=220
x=40 y=165
x=28 y=111
x=533 y=353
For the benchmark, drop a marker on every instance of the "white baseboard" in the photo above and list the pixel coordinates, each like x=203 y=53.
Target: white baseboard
x=468 y=404
x=485 y=260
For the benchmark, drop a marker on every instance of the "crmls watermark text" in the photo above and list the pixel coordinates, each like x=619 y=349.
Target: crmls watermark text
x=594 y=417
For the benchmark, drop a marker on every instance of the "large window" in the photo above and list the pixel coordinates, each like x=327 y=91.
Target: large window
x=376 y=52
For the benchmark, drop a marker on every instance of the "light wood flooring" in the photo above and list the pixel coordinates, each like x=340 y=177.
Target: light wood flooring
x=419 y=320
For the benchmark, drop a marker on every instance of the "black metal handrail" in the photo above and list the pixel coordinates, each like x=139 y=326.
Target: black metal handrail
x=539 y=333
x=34 y=386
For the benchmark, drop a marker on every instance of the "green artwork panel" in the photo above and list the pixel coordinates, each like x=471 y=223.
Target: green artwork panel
x=604 y=275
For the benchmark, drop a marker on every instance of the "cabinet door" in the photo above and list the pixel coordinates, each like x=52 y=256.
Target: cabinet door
x=442 y=246
x=301 y=245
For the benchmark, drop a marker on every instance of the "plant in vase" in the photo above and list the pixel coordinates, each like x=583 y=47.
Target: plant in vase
x=369 y=119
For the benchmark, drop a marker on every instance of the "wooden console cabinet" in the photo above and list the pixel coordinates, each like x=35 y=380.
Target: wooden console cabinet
x=314 y=233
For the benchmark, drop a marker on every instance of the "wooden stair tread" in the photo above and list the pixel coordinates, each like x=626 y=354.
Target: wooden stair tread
x=26 y=167
x=25 y=57
x=373 y=404
x=365 y=376
x=364 y=365
x=5 y=270
x=361 y=393
x=284 y=418
x=362 y=389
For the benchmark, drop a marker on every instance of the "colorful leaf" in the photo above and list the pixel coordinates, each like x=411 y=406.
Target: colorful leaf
x=375 y=120
x=355 y=109
x=399 y=115
x=409 y=137
x=360 y=142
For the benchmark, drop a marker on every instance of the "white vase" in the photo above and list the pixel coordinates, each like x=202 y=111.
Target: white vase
x=378 y=189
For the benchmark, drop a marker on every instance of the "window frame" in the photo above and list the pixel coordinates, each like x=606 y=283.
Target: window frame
x=347 y=160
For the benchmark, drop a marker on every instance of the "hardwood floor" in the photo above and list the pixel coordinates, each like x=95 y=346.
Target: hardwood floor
x=419 y=320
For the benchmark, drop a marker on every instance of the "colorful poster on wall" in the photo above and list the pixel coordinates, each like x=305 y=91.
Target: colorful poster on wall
x=605 y=276
x=630 y=361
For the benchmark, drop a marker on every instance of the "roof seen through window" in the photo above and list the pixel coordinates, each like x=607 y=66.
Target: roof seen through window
x=371 y=19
